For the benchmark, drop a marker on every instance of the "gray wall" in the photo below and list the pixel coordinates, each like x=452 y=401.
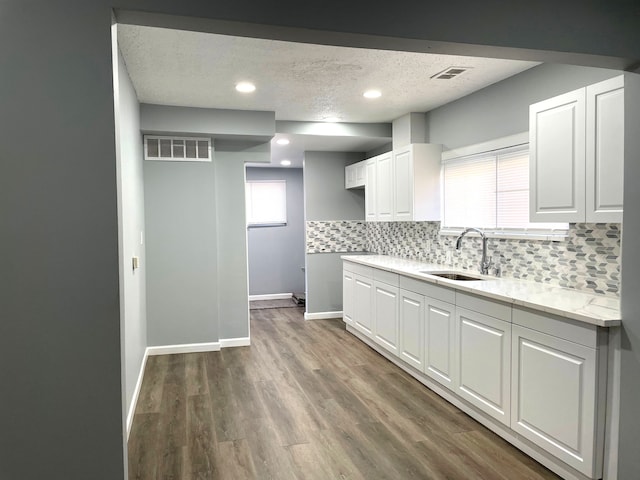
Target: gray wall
x=131 y=221
x=60 y=331
x=180 y=207
x=233 y=292
x=629 y=464
x=61 y=406
x=502 y=109
x=327 y=199
x=276 y=254
x=324 y=194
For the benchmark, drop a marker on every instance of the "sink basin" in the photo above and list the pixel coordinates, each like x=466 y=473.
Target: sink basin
x=452 y=275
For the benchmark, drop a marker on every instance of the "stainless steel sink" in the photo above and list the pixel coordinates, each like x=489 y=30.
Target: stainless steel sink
x=452 y=275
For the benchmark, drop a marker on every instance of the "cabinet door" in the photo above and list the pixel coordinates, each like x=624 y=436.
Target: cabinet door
x=403 y=185
x=384 y=187
x=557 y=159
x=554 y=397
x=370 y=190
x=411 y=327
x=483 y=363
x=349 y=176
x=605 y=150
x=386 y=316
x=361 y=173
x=363 y=304
x=348 y=281
x=439 y=341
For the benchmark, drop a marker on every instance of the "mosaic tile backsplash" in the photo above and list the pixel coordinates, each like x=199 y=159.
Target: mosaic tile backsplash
x=336 y=236
x=588 y=259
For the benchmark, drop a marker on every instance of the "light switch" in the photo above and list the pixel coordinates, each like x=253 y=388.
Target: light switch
x=135 y=262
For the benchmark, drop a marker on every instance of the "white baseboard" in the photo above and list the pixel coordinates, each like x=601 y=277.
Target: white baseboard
x=184 y=348
x=136 y=393
x=322 y=315
x=235 y=342
x=271 y=296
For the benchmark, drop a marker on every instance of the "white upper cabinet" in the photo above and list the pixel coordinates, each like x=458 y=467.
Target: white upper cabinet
x=355 y=175
x=605 y=150
x=576 y=155
x=384 y=187
x=417 y=182
x=370 y=191
x=557 y=158
x=404 y=185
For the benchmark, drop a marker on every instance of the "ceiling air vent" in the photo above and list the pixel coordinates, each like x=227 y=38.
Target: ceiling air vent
x=451 y=72
x=177 y=149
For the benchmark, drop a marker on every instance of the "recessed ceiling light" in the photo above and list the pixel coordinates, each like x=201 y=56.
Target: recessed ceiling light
x=331 y=119
x=372 y=94
x=282 y=141
x=285 y=163
x=245 y=87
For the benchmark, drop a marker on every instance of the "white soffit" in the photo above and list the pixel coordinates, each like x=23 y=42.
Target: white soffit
x=301 y=82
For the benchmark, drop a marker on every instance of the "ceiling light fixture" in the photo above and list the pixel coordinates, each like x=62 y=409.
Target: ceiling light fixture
x=282 y=141
x=331 y=119
x=285 y=163
x=245 y=87
x=372 y=94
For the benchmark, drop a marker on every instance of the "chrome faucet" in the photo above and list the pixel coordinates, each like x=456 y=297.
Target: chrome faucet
x=484 y=263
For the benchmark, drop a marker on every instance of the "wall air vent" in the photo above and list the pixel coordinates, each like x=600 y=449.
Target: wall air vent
x=451 y=72
x=177 y=149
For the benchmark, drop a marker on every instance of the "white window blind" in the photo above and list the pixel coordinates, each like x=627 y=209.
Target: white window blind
x=491 y=191
x=266 y=202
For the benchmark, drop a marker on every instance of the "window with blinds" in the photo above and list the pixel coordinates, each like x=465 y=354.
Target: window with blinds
x=266 y=203
x=491 y=191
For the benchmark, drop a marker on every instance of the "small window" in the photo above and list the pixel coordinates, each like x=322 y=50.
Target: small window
x=266 y=203
x=491 y=191
x=177 y=149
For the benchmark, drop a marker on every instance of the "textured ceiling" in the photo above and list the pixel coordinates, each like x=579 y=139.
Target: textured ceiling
x=303 y=82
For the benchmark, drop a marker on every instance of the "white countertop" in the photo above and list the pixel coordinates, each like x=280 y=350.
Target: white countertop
x=600 y=310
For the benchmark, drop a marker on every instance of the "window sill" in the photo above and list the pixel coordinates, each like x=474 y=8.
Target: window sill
x=263 y=225
x=548 y=235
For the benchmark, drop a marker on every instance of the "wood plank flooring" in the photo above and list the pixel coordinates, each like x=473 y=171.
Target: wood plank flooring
x=307 y=400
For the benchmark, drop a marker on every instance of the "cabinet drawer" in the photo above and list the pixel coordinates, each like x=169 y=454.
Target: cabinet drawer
x=428 y=289
x=384 y=276
x=493 y=308
x=571 y=330
x=358 y=269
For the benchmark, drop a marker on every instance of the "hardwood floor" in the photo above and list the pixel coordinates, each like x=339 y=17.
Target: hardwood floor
x=306 y=401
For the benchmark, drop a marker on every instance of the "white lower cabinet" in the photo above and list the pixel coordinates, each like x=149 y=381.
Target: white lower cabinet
x=542 y=376
x=386 y=316
x=411 y=328
x=554 y=394
x=363 y=311
x=483 y=363
x=348 y=281
x=439 y=340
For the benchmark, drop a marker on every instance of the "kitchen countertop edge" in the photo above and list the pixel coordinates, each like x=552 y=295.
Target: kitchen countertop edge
x=611 y=319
